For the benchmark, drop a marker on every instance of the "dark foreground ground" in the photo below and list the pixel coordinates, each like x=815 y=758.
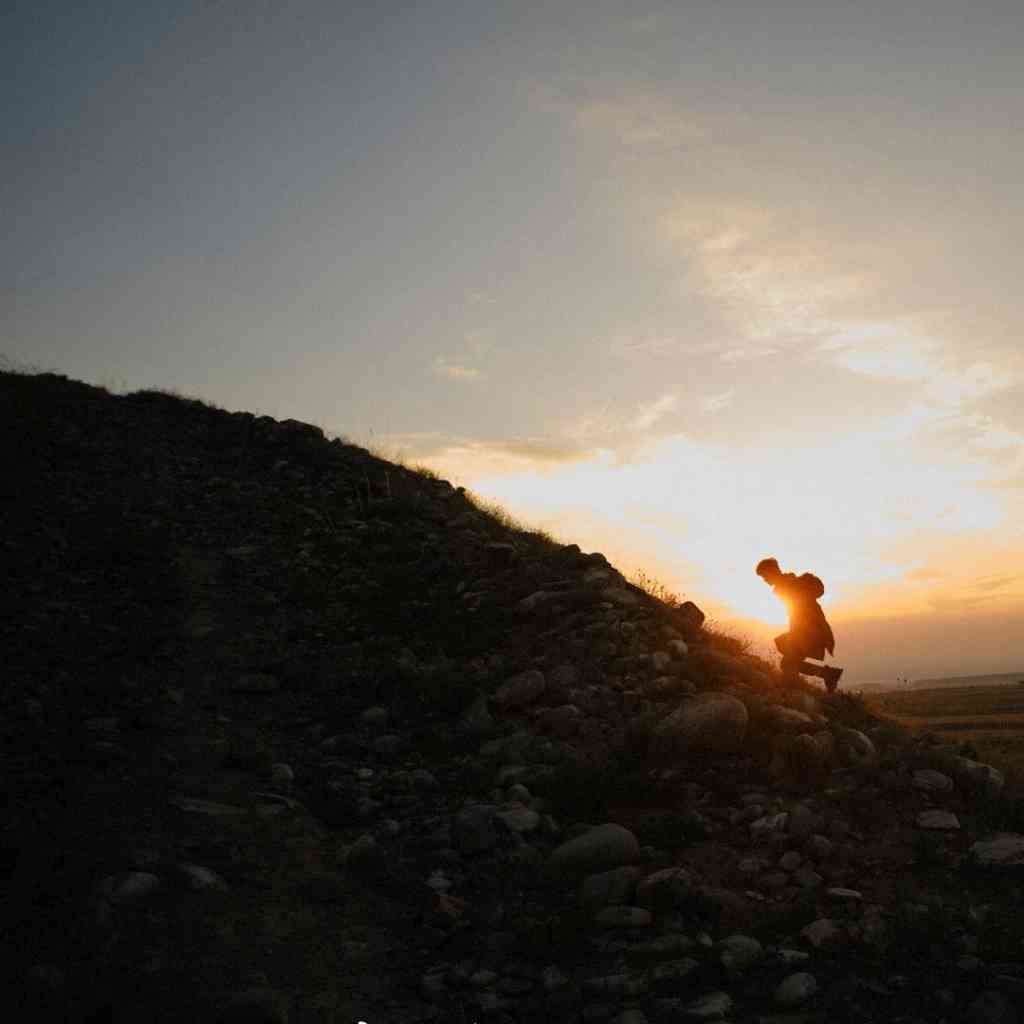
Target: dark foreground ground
x=293 y=733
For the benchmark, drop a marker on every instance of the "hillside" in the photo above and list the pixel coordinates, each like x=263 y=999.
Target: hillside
x=294 y=733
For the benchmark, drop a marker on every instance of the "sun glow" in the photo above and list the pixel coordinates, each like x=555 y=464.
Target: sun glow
x=699 y=517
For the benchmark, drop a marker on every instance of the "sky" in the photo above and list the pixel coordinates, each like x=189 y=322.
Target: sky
x=690 y=284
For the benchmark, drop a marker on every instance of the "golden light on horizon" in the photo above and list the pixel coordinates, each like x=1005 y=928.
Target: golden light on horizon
x=848 y=510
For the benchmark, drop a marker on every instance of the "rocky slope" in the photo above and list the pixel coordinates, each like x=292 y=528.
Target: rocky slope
x=294 y=733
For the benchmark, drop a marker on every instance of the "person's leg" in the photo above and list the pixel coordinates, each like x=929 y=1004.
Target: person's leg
x=828 y=674
x=791 y=659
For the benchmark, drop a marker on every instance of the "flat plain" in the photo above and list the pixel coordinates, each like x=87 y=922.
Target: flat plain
x=988 y=718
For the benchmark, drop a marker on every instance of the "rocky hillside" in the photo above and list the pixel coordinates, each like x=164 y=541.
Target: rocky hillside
x=294 y=733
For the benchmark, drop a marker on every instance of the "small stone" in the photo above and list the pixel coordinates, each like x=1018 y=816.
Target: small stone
x=518 y=818
x=713 y=1006
x=818 y=847
x=739 y=952
x=256 y=682
x=623 y=917
x=790 y=861
x=520 y=690
x=199 y=879
x=365 y=852
x=824 y=934
x=796 y=989
x=282 y=774
x=770 y=824
x=945 y=820
x=375 y=717
x=210 y=808
x=667 y=889
x=930 y=781
x=518 y=793
x=136 y=887
x=473 y=829
x=845 y=895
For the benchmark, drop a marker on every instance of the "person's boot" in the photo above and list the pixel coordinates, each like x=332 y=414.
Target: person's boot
x=832 y=675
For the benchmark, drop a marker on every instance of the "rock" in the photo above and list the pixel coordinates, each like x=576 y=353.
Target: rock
x=845 y=895
x=608 y=887
x=282 y=775
x=210 y=808
x=562 y=721
x=136 y=887
x=783 y=719
x=688 y=618
x=605 y=846
x=935 y=819
x=199 y=879
x=818 y=847
x=520 y=690
x=824 y=934
x=1006 y=849
x=667 y=889
x=375 y=717
x=984 y=776
x=991 y=1007
x=930 y=781
x=473 y=829
x=256 y=682
x=713 y=1006
x=796 y=989
x=623 y=917
x=518 y=818
x=740 y=952
x=714 y=723
x=364 y=853
x=770 y=824
x=854 y=747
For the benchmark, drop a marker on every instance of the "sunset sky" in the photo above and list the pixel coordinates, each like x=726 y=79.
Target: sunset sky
x=688 y=283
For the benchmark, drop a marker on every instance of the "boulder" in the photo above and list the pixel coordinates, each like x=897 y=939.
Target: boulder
x=1006 y=849
x=712 y=723
x=603 y=847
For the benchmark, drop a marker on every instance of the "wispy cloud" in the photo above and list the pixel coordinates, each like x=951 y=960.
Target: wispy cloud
x=456 y=371
x=648 y=415
x=716 y=403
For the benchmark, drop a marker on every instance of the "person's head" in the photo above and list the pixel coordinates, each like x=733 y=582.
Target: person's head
x=768 y=569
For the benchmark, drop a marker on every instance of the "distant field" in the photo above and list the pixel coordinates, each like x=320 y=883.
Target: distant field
x=990 y=718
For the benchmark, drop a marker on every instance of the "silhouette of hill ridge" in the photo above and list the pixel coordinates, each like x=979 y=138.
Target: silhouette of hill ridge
x=295 y=732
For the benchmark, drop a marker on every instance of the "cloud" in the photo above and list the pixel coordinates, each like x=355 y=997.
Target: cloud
x=648 y=415
x=988 y=583
x=716 y=403
x=455 y=371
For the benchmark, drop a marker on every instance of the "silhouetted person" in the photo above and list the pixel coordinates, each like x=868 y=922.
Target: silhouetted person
x=810 y=635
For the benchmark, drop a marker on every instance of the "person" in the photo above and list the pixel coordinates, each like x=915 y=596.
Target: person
x=810 y=635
